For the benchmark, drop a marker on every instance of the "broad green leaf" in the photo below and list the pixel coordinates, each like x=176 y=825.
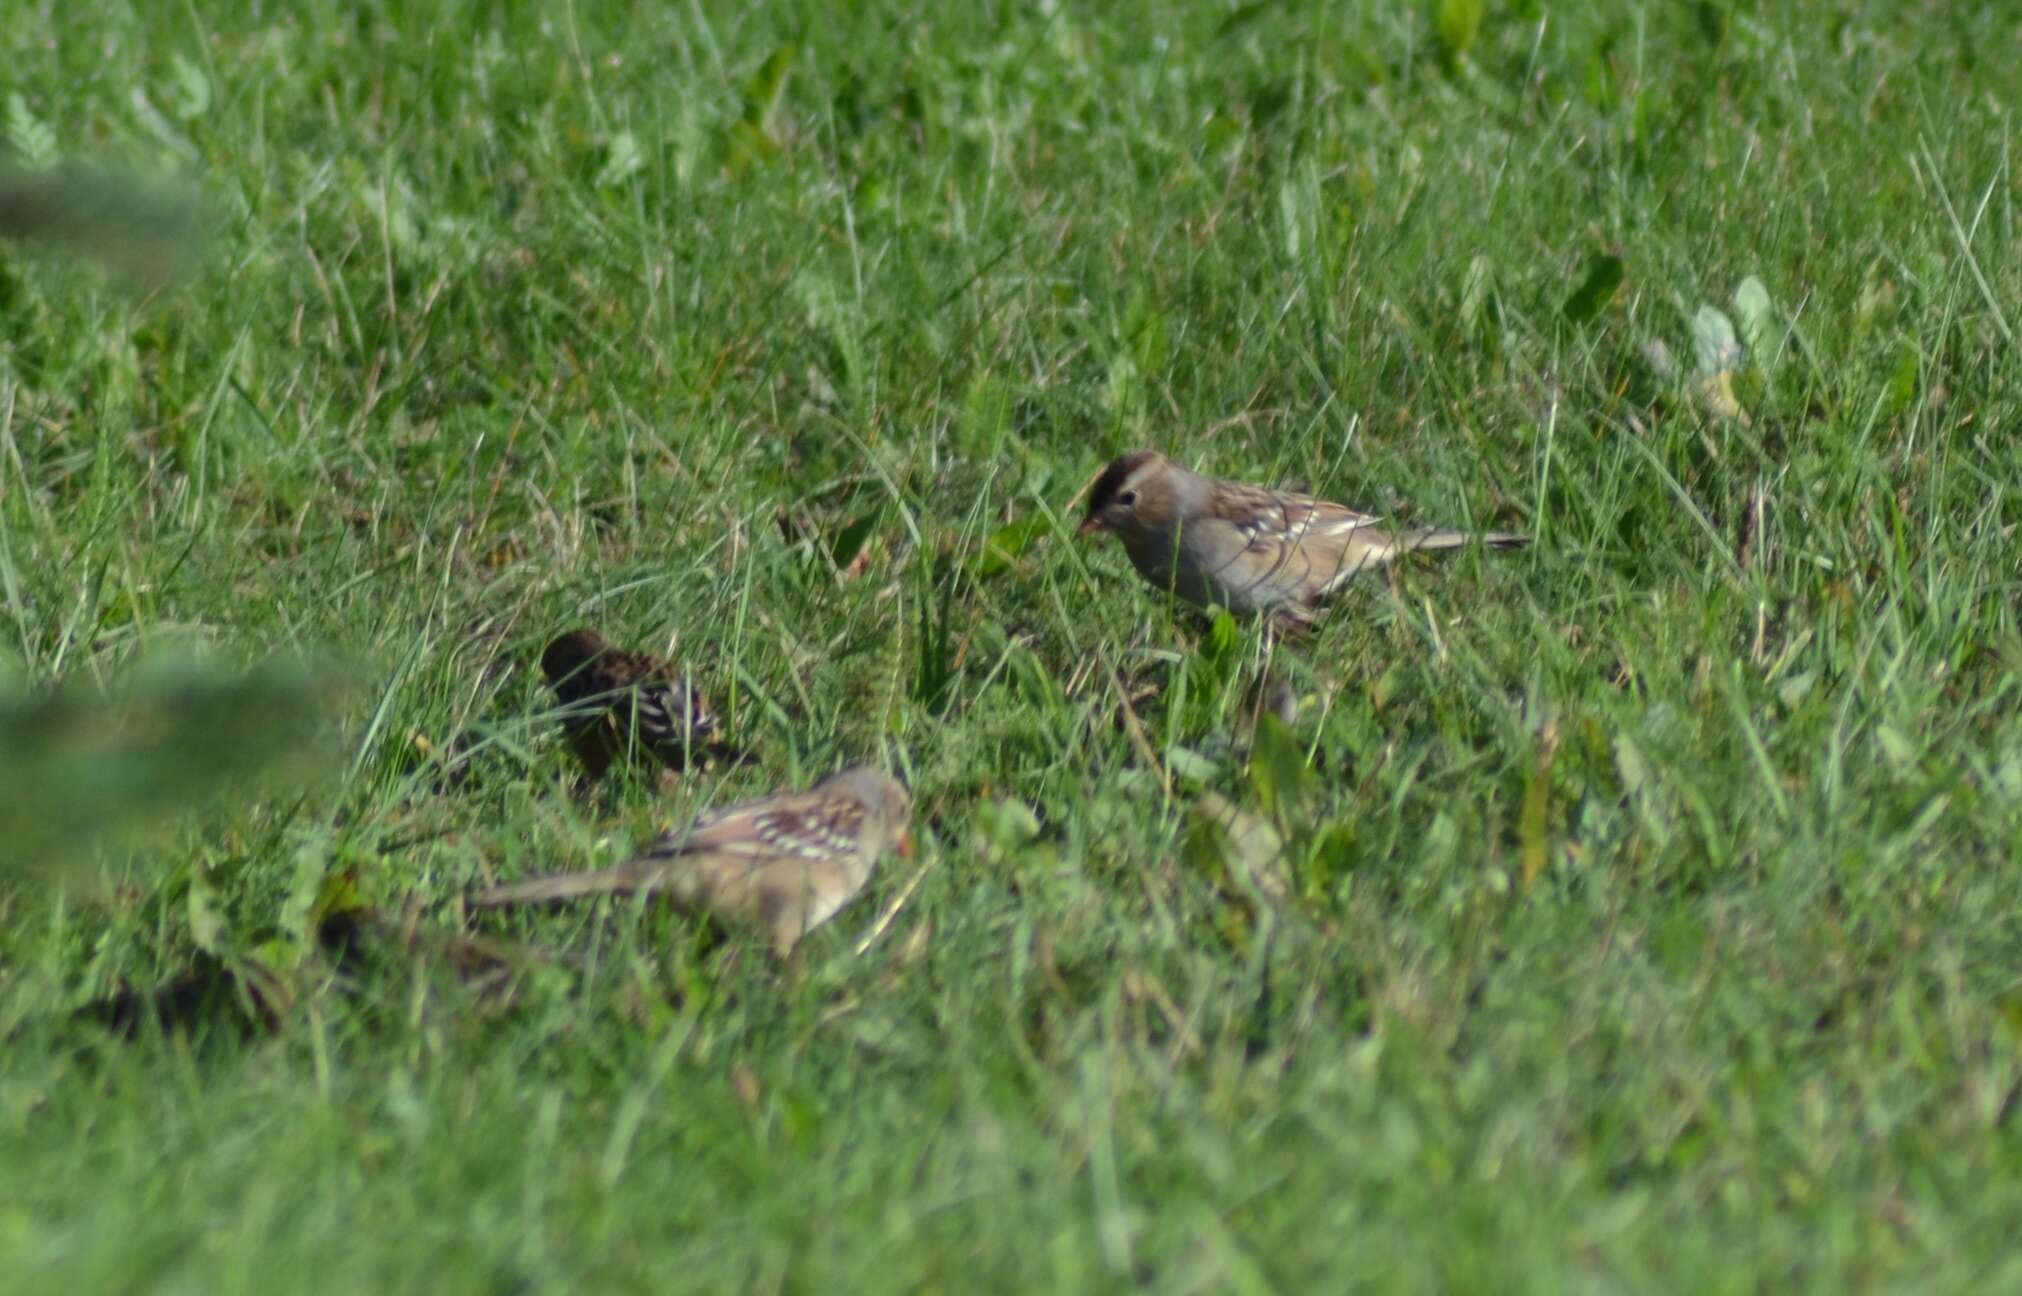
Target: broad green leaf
x=1715 y=393
x=1761 y=330
x=1604 y=275
x=1003 y=827
x=1902 y=386
x=1897 y=748
x=1457 y=23
x=1716 y=356
x=1007 y=544
x=622 y=160
x=763 y=91
x=1278 y=769
x=1295 y=218
x=748 y=147
x=202 y=902
x=1714 y=347
x=1225 y=636
x=193 y=89
x=1192 y=766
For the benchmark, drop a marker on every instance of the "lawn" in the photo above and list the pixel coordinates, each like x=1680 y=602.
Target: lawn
x=1651 y=915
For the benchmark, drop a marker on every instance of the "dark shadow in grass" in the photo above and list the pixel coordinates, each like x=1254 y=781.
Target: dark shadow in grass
x=210 y=999
x=216 y=998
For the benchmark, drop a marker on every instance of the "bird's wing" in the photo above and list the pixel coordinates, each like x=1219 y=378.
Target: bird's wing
x=1312 y=545
x=669 y=711
x=782 y=863
x=805 y=825
x=1269 y=519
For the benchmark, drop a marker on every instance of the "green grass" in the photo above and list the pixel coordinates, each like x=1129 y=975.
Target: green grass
x=1655 y=914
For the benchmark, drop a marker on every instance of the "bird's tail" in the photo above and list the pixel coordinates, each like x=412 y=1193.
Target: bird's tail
x=563 y=886
x=1447 y=538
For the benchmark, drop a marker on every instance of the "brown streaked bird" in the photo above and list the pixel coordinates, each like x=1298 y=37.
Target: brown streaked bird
x=1250 y=549
x=618 y=704
x=784 y=863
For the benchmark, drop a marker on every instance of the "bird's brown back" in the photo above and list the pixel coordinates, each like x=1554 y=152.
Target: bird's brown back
x=617 y=701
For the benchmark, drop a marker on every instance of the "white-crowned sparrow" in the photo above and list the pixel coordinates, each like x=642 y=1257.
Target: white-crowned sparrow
x=1247 y=548
x=784 y=863
x=618 y=704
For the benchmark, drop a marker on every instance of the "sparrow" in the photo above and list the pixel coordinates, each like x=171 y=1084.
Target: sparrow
x=784 y=863
x=619 y=704
x=1250 y=549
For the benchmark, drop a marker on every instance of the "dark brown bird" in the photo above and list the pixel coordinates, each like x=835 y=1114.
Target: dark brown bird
x=621 y=705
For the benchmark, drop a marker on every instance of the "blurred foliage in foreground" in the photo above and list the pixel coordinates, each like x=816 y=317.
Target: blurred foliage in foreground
x=148 y=230
x=78 y=763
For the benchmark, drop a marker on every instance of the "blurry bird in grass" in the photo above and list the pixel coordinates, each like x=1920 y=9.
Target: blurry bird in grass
x=619 y=705
x=783 y=863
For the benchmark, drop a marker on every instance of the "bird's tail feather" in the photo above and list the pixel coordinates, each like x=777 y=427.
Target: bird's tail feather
x=1447 y=538
x=562 y=886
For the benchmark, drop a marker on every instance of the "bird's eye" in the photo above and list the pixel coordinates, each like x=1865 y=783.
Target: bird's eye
x=1126 y=498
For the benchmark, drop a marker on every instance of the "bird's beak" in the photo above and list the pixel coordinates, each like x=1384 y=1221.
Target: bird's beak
x=1090 y=524
x=903 y=848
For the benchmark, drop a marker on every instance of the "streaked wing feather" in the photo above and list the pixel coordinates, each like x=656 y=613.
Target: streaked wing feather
x=1278 y=525
x=804 y=824
x=1273 y=519
x=669 y=713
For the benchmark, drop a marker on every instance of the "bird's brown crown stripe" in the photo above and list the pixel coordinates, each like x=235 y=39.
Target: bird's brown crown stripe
x=1113 y=478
